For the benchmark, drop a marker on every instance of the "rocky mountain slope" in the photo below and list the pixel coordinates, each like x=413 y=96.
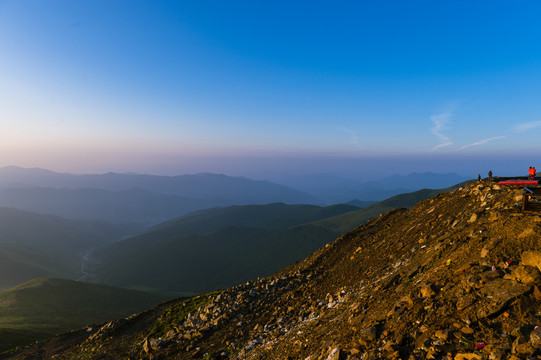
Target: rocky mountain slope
x=454 y=277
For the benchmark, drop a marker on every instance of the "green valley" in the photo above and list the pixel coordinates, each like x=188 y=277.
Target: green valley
x=43 y=307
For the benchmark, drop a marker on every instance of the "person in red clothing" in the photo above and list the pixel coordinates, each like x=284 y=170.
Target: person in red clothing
x=531 y=172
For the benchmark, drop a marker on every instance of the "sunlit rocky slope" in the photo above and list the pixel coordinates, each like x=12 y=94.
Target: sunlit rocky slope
x=454 y=277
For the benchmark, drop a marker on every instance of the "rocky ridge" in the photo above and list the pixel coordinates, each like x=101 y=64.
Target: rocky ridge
x=454 y=277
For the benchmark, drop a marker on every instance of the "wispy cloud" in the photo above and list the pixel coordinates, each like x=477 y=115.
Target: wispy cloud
x=440 y=121
x=519 y=128
x=481 y=142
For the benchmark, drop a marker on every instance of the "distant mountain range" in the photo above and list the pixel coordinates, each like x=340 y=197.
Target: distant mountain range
x=332 y=189
x=124 y=206
x=151 y=199
x=200 y=186
x=148 y=199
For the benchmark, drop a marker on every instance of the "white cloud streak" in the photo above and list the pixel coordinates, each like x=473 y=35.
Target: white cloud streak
x=440 y=121
x=517 y=129
x=481 y=142
x=523 y=127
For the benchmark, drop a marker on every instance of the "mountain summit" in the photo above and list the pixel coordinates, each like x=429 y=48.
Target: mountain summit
x=454 y=277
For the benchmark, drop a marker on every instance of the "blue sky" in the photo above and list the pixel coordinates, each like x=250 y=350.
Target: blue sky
x=262 y=88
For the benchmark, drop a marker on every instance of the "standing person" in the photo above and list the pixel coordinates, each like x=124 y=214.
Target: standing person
x=478 y=177
x=490 y=174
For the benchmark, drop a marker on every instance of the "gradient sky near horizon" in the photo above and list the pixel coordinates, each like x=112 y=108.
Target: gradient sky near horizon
x=261 y=88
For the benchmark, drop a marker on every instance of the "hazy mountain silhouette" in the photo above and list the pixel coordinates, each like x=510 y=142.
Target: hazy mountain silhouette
x=134 y=205
x=220 y=188
x=333 y=189
x=146 y=199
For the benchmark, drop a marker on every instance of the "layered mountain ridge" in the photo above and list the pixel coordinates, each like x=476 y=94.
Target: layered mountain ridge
x=134 y=198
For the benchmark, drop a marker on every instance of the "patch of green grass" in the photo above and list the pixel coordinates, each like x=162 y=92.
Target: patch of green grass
x=44 y=307
x=176 y=314
x=10 y=338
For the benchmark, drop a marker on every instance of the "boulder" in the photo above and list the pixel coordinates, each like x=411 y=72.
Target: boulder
x=532 y=258
x=535 y=337
x=335 y=354
x=422 y=341
x=526 y=274
x=524 y=348
x=465 y=301
x=427 y=291
x=156 y=344
x=527 y=233
x=497 y=294
x=368 y=335
x=493 y=216
x=146 y=346
x=499 y=353
x=442 y=334
x=491 y=275
x=489 y=246
x=467 y=356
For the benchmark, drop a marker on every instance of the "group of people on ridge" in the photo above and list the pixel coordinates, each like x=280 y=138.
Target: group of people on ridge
x=531 y=174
